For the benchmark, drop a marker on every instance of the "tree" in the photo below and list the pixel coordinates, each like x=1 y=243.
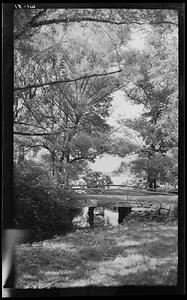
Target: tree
x=28 y=23
x=96 y=179
x=67 y=119
x=158 y=170
x=153 y=82
x=63 y=86
x=32 y=19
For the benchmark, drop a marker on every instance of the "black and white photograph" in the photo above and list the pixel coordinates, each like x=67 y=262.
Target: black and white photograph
x=96 y=103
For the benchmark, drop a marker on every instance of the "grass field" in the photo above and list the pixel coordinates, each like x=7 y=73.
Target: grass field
x=136 y=253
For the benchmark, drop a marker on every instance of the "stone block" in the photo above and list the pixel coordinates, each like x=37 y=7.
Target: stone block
x=164 y=211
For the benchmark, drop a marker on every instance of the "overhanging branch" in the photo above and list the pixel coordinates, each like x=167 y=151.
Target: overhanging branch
x=135 y=98
x=90 y=19
x=81 y=158
x=34 y=134
x=63 y=81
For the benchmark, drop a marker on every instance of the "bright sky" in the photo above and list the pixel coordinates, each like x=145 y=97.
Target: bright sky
x=137 y=39
x=122 y=108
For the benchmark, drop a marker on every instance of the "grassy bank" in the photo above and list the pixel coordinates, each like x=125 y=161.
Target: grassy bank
x=136 y=253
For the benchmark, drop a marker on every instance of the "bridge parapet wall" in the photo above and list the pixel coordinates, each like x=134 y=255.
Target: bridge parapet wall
x=134 y=201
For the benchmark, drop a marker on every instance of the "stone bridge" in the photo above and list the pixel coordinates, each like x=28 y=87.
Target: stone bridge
x=123 y=200
x=122 y=196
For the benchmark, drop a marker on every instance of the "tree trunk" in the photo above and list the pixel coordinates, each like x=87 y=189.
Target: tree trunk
x=21 y=155
x=53 y=164
x=152 y=183
x=63 y=173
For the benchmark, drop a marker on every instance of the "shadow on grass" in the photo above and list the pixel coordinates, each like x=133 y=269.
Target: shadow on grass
x=126 y=253
x=151 y=277
x=38 y=268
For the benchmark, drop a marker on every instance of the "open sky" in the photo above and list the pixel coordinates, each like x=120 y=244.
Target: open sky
x=122 y=108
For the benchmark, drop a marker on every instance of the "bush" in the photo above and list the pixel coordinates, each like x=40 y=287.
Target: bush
x=40 y=204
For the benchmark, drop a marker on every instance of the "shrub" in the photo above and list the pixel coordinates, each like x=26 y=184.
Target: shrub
x=40 y=203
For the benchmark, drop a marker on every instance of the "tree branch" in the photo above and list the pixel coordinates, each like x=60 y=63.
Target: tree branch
x=23 y=123
x=135 y=99
x=89 y=19
x=81 y=157
x=28 y=107
x=34 y=134
x=40 y=145
x=64 y=81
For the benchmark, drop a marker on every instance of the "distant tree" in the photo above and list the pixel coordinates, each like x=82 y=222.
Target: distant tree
x=96 y=179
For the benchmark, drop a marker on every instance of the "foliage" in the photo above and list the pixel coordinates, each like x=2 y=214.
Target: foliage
x=27 y=21
x=41 y=205
x=96 y=179
x=122 y=146
x=65 y=111
x=160 y=167
x=69 y=120
x=152 y=81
